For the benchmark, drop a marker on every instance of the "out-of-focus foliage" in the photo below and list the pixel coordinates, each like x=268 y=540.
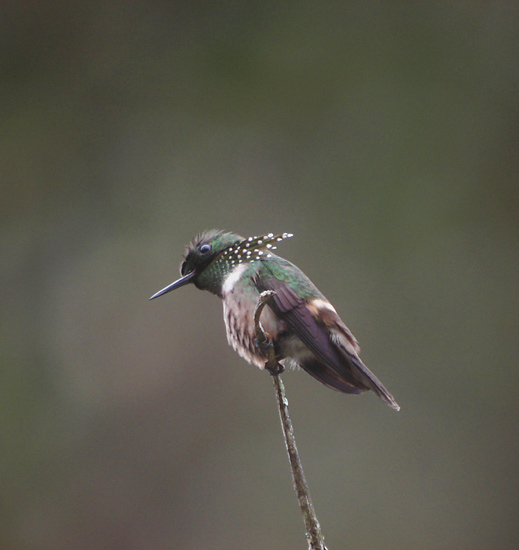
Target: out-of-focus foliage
x=385 y=136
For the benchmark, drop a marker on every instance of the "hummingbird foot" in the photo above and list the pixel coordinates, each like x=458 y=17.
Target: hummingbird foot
x=275 y=369
x=263 y=343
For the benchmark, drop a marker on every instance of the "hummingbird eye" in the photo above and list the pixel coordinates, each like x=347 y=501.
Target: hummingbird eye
x=205 y=248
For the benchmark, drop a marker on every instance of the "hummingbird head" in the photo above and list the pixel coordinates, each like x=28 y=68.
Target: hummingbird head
x=212 y=254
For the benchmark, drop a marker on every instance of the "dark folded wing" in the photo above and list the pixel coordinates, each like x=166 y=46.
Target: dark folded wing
x=329 y=367
x=334 y=365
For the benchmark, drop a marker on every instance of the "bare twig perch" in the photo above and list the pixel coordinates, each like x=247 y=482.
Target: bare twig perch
x=313 y=529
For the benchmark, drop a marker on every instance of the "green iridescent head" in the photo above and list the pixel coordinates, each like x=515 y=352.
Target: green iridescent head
x=213 y=253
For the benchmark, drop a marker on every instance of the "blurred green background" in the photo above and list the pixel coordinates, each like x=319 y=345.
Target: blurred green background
x=385 y=136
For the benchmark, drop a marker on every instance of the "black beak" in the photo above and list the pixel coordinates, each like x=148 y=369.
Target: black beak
x=186 y=279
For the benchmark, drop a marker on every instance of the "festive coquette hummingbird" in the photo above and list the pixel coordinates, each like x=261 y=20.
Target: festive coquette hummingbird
x=301 y=323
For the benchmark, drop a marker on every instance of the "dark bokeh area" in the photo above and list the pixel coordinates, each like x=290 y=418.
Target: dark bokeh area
x=385 y=136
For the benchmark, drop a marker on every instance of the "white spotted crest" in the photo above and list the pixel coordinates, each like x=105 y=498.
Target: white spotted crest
x=252 y=249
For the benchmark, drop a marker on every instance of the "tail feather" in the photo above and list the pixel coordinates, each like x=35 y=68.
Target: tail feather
x=353 y=369
x=328 y=376
x=368 y=379
x=357 y=378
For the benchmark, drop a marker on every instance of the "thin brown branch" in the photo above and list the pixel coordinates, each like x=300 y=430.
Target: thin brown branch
x=313 y=529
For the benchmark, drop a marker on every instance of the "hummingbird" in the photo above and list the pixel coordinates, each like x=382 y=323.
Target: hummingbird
x=300 y=322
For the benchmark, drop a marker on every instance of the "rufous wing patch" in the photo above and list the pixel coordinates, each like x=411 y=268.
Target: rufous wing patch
x=324 y=313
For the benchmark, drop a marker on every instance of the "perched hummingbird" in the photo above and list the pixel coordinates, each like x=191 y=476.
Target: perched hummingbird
x=301 y=323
